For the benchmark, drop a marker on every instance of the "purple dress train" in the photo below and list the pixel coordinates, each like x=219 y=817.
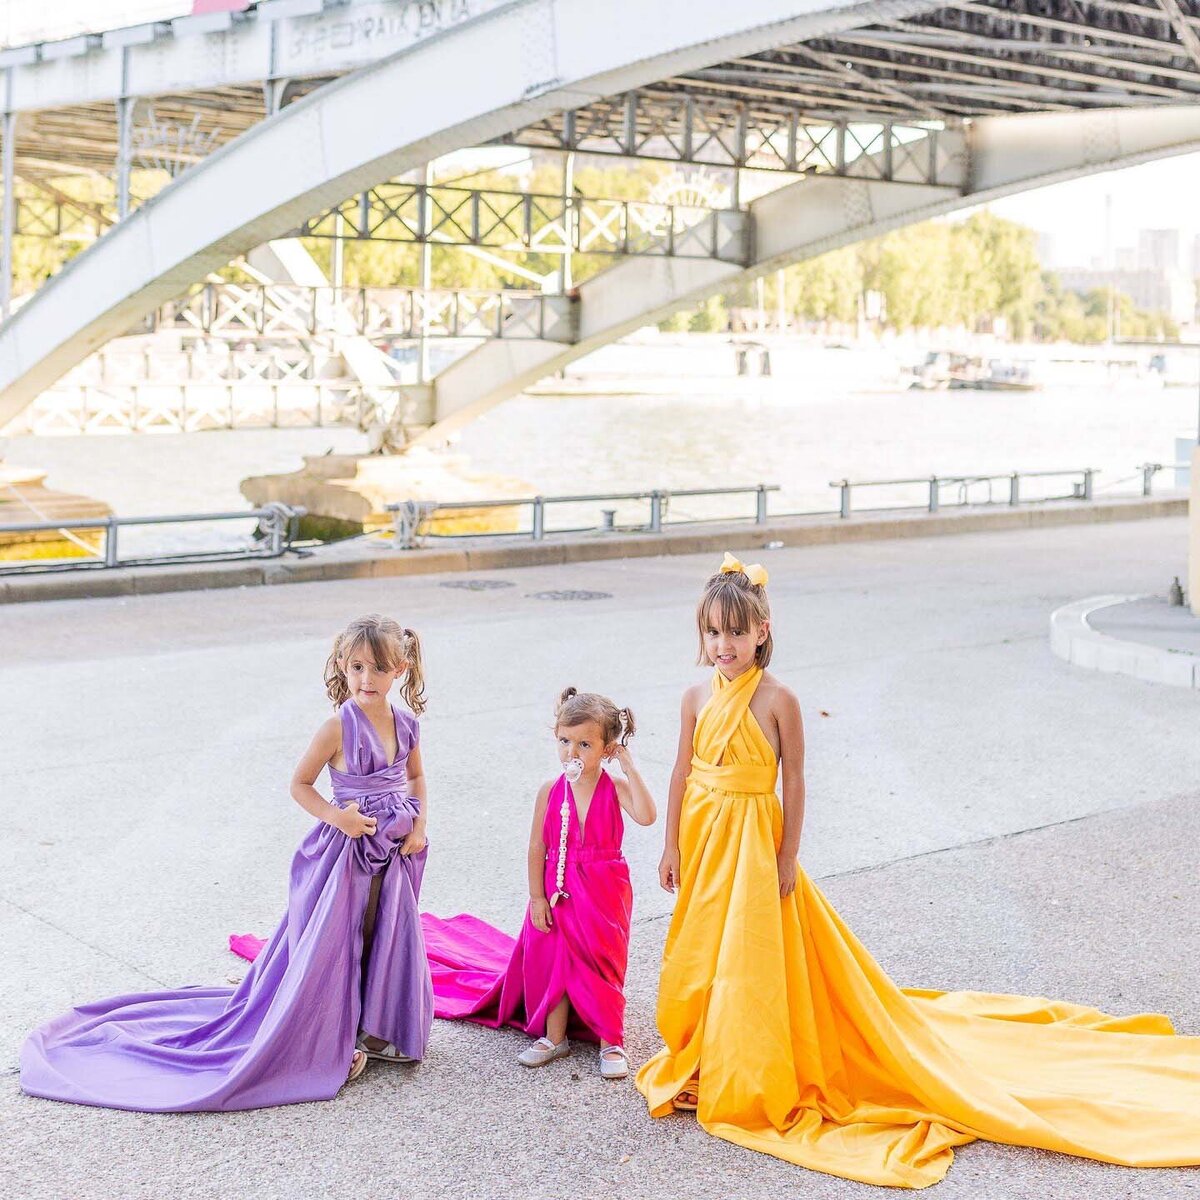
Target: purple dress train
x=286 y=1033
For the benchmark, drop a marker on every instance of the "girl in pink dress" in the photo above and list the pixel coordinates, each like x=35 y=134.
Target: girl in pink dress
x=566 y=971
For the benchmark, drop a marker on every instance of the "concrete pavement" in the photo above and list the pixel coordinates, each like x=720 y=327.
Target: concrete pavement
x=983 y=814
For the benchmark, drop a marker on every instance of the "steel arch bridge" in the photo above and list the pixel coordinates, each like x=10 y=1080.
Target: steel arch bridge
x=874 y=114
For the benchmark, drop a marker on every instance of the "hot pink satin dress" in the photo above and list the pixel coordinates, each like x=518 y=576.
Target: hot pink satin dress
x=481 y=974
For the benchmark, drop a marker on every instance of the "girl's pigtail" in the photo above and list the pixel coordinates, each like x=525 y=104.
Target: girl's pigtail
x=335 y=681
x=567 y=694
x=413 y=688
x=628 y=725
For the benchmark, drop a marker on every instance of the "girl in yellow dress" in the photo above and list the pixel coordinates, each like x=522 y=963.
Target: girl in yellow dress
x=786 y=1036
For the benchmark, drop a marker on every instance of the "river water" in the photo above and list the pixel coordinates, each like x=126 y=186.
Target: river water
x=838 y=415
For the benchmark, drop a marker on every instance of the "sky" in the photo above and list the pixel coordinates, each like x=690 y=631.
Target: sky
x=1160 y=195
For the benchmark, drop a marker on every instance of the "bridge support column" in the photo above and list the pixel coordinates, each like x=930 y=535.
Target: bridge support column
x=124 y=155
x=9 y=219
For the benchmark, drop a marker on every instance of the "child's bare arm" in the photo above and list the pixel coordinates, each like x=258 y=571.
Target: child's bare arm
x=325 y=744
x=668 y=867
x=414 y=842
x=539 y=906
x=791 y=747
x=632 y=792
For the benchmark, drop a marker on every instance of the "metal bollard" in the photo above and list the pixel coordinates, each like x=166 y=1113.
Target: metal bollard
x=110 y=543
x=609 y=519
x=539 y=518
x=760 y=505
x=933 y=493
x=844 y=486
x=1149 y=470
x=656 y=511
x=1014 y=488
x=1088 y=476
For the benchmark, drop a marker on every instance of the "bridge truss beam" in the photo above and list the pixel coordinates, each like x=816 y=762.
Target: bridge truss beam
x=1004 y=155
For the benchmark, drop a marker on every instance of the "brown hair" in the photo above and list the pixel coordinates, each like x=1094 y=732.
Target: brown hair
x=391 y=647
x=575 y=707
x=731 y=601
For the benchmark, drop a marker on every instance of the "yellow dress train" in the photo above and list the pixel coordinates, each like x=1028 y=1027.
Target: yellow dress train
x=805 y=1049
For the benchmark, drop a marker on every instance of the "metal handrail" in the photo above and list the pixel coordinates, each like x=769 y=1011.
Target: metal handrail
x=277 y=525
x=1083 y=490
x=412 y=515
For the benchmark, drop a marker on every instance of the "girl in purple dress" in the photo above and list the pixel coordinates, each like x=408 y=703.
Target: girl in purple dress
x=344 y=977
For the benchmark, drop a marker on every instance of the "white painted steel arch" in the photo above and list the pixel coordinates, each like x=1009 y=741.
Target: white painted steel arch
x=468 y=85
x=1004 y=155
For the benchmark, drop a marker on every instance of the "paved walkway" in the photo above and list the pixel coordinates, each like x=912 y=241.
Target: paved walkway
x=982 y=813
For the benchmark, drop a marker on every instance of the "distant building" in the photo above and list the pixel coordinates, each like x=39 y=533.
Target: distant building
x=1170 y=292
x=1160 y=250
x=1126 y=258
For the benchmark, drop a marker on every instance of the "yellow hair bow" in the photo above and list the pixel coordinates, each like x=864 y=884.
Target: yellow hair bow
x=755 y=572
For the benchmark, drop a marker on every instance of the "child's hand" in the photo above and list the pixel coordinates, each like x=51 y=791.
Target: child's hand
x=352 y=823
x=539 y=914
x=414 y=843
x=668 y=869
x=623 y=758
x=786 y=865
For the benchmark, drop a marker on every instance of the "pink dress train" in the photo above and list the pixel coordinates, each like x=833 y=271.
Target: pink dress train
x=481 y=974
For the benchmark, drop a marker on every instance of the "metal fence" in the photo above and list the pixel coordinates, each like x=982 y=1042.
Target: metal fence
x=413 y=517
x=276 y=529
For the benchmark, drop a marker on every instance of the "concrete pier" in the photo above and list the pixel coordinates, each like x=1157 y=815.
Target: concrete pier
x=982 y=813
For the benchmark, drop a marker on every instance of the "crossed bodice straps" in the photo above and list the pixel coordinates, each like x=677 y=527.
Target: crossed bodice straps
x=730 y=752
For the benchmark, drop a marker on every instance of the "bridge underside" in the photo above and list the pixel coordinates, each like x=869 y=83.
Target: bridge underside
x=876 y=114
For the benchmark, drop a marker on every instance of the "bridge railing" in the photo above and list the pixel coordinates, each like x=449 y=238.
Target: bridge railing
x=98 y=540
x=279 y=310
x=526 y=222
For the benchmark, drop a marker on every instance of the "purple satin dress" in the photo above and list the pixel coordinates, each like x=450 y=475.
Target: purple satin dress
x=286 y=1034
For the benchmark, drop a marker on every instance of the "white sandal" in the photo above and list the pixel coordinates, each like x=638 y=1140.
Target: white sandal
x=543 y=1051
x=613 y=1068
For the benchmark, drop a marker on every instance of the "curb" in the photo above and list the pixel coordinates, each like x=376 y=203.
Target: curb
x=374 y=560
x=1074 y=640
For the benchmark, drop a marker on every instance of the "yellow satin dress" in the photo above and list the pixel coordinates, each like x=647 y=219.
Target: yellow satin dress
x=805 y=1049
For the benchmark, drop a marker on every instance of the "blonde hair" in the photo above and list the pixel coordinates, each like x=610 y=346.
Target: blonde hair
x=391 y=647
x=731 y=601
x=575 y=707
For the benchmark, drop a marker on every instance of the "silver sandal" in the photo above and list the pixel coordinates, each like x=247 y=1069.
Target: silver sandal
x=543 y=1051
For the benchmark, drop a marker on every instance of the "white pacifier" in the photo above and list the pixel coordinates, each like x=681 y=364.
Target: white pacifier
x=573 y=769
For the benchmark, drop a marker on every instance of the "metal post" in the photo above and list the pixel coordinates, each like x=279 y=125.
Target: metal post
x=933 y=493
x=760 y=505
x=124 y=155
x=426 y=277
x=110 y=542
x=1014 y=488
x=1149 y=470
x=1088 y=475
x=339 y=258
x=565 y=282
x=539 y=518
x=10 y=212
x=656 y=511
x=844 y=486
